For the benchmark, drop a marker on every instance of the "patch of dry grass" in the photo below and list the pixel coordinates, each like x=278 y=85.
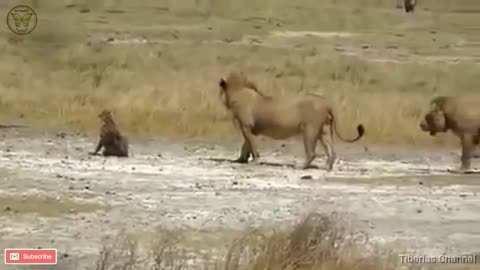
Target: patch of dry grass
x=316 y=242
x=54 y=78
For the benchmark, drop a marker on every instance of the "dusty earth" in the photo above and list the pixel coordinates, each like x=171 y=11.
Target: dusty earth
x=53 y=195
x=460 y=51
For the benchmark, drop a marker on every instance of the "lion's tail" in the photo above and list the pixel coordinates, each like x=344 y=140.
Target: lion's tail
x=333 y=126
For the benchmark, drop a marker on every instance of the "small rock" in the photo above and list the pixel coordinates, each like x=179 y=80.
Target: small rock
x=217 y=193
x=71 y=188
x=392 y=47
x=420 y=183
x=419 y=211
x=235 y=183
x=8 y=209
x=133 y=168
x=66 y=255
x=463 y=195
x=84 y=10
x=87 y=187
x=306 y=177
x=160 y=156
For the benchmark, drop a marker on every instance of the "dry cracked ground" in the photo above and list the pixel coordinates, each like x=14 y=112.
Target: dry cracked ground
x=55 y=195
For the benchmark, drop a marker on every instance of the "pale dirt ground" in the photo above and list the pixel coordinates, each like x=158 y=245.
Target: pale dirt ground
x=460 y=51
x=402 y=198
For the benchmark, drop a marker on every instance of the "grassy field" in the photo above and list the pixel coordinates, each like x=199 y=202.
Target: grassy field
x=381 y=71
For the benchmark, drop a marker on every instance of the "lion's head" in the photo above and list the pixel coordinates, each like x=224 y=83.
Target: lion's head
x=435 y=120
x=236 y=81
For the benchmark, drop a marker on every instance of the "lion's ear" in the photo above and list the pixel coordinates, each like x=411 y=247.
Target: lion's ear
x=222 y=83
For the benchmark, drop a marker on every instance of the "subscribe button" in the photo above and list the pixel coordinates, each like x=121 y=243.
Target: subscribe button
x=30 y=256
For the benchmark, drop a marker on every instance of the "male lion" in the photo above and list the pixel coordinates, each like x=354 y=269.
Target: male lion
x=279 y=118
x=113 y=143
x=461 y=115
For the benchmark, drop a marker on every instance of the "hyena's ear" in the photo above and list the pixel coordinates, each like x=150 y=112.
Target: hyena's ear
x=222 y=83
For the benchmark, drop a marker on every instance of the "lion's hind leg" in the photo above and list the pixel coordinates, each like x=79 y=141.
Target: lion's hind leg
x=310 y=135
x=329 y=151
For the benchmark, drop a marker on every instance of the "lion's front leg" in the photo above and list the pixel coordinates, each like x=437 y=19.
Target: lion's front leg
x=467 y=152
x=476 y=141
x=244 y=153
x=250 y=143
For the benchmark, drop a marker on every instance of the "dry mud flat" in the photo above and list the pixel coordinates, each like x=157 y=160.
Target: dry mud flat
x=54 y=195
x=306 y=40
